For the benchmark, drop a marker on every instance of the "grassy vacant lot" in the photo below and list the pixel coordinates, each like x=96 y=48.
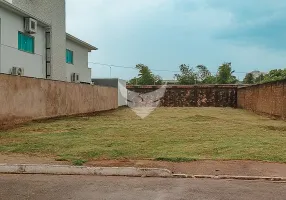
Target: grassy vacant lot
x=176 y=134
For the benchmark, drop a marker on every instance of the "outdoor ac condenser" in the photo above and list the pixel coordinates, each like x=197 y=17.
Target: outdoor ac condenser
x=17 y=71
x=30 y=25
x=75 y=78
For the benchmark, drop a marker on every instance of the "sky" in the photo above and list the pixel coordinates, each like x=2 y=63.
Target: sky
x=163 y=34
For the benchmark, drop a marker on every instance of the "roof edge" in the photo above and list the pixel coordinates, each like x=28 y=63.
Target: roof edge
x=82 y=43
x=16 y=10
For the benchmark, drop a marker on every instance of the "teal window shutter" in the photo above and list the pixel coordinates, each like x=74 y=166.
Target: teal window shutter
x=20 y=40
x=69 y=56
x=26 y=43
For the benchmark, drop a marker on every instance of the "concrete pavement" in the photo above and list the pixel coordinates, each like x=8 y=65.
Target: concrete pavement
x=44 y=187
x=83 y=170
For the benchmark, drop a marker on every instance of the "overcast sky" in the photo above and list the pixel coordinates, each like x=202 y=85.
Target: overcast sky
x=166 y=33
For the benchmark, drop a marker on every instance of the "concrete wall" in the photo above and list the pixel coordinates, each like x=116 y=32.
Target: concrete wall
x=122 y=93
x=33 y=64
x=268 y=98
x=80 y=65
x=115 y=83
x=53 y=12
x=194 y=95
x=108 y=82
x=24 y=99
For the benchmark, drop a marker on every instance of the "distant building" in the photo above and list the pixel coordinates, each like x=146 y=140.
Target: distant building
x=257 y=73
x=34 y=42
x=171 y=82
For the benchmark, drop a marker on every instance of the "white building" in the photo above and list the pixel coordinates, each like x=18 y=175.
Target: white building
x=34 y=42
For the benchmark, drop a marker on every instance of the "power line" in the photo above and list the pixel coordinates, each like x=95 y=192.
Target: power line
x=110 y=65
x=157 y=70
x=121 y=66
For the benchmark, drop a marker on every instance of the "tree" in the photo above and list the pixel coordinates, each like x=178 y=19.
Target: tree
x=259 y=78
x=275 y=75
x=225 y=74
x=249 y=79
x=210 y=80
x=202 y=73
x=158 y=80
x=145 y=77
x=205 y=76
x=187 y=76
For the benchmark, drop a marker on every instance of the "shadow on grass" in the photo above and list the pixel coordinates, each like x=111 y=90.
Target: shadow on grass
x=200 y=118
x=274 y=128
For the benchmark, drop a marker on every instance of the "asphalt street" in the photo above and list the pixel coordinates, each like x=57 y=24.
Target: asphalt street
x=44 y=187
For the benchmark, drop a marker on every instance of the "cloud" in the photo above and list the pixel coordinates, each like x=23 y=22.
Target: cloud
x=257 y=22
x=166 y=33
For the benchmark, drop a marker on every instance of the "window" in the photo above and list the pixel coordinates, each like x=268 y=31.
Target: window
x=26 y=43
x=69 y=56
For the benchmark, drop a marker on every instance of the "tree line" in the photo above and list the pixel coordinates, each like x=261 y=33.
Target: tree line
x=202 y=75
x=259 y=77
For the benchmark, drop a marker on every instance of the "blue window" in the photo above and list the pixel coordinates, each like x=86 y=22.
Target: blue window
x=26 y=43
x=69 y=56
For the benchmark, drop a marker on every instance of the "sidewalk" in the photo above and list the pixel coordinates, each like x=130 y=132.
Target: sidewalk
x=207 y=167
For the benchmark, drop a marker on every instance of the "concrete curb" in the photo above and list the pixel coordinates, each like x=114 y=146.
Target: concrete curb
x=265 y=178
x=74 y=170
x=116 y=171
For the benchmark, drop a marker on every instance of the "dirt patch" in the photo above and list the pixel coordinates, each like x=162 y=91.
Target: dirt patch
x=206 y=167
x=28 y=159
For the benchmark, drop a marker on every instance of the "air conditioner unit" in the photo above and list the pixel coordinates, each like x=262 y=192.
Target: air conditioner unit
x=30 y=25
x=75 y=77
x=17 y=71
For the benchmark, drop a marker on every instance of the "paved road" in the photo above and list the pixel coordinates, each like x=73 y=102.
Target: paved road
x=43 y=187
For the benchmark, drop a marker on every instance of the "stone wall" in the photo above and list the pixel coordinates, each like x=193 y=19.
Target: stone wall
x=24 y=99
x=268 y=98
x=194 y=95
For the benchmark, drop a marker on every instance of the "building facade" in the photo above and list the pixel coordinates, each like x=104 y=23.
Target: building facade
x=78 y=62
x=33 y=60
x=53 y=12
x=56 y=55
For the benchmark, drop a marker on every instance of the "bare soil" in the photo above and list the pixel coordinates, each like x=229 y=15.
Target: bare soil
x=203 y=167
x=28 y=159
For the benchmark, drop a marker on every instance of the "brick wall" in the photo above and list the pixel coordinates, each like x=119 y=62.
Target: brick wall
x=268 y=98
x=194 y=96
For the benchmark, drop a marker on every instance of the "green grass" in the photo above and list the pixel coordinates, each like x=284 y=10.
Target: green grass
x=78 y=162
x=171 y=134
